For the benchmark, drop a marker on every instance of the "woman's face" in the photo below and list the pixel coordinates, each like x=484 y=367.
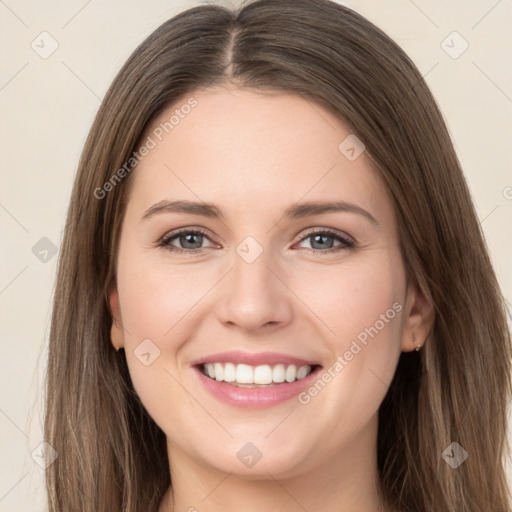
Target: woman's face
x=268 y=284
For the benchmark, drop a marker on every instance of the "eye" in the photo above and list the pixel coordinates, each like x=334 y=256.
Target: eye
x=190 y=240
x=321 y=241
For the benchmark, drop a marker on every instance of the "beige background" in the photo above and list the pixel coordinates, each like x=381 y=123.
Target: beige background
x=47 y=107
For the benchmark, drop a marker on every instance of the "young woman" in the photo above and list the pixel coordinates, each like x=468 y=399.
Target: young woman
x=270 y=220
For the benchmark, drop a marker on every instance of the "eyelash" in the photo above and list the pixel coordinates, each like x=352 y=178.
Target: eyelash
x=165 y=242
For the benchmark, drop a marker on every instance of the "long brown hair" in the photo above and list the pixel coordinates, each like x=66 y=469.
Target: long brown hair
x=111 y=454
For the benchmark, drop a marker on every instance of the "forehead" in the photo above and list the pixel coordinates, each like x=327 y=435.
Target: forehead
x=253 y=148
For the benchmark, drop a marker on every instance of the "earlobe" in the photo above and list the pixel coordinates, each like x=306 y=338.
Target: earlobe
x=418 y=320
x=116 y=337
x=116 y=331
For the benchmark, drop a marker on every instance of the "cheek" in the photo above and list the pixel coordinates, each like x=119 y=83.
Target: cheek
x=156 y=306
x=157 y=298
x=354 y=301
x=362 y=305
x=360 y=310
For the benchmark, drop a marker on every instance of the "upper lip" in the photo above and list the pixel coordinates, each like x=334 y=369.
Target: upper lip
x=253 y=359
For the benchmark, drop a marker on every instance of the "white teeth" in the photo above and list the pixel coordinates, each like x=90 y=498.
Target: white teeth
x=302 y=372
x=278 y=373
x=291 y=373
x=259 y=375
x=263 y=374
x=229 y=372
x=219 y=371
x=244 y=374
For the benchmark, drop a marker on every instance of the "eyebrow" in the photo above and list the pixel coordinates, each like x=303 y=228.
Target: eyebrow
x=296 y=211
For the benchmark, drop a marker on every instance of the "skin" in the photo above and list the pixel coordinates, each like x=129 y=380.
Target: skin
x=254 y=154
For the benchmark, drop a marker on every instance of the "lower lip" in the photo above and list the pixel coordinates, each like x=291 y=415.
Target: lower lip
x=255 y=398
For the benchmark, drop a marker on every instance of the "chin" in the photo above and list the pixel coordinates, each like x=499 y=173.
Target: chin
x=256 y=458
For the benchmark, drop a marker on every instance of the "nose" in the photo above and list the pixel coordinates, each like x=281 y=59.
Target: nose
x=254 y=296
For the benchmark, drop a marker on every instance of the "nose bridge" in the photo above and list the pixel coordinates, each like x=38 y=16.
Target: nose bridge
x=251 y=267
x=254 y=296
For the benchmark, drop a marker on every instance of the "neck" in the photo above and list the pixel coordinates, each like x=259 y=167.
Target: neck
x=346 y=481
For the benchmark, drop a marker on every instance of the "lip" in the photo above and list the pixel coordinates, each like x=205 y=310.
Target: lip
x=240 y=357
x=255 y=398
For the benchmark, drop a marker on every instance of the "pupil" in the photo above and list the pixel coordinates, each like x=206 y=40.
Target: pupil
x=190 y=239
x=322 y=237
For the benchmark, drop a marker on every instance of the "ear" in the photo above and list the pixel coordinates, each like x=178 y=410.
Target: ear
x=418 y=317
x=116 y=331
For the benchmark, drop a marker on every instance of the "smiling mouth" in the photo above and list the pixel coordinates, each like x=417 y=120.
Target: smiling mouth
x=261 y=376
